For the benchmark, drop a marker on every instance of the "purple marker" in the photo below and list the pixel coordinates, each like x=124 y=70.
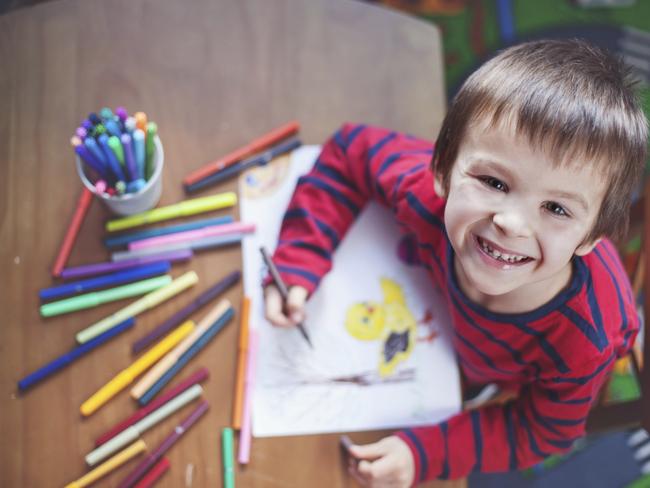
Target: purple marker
x=121 y=113
x=204 y=298
x=129 y=157
x=108 y=267
x=87 y=124
x=81 y=132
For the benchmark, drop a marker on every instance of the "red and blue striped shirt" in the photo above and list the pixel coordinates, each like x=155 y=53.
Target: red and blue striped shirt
x=556 y=356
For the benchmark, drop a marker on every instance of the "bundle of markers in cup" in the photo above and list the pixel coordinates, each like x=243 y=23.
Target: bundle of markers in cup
x=117 y=151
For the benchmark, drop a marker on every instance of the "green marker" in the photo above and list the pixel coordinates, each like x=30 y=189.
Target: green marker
x=149 y=149
x=116 y=146
x=97 y=298
x=120 y=187
x=98 y=130
x=228 y=458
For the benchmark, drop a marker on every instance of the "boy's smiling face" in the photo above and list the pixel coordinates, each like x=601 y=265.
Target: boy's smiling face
x=515 y=220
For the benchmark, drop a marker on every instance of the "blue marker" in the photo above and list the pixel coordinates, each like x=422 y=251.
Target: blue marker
x=90 y=159
x=186 y=357
x=138 y=146
x=94 y=118
x=124 y=239
x=105 y=281
x=129 y=157
x=62 y=361
x=113 y=162
x=113 y=127
x=135 y=186
x=92 y=146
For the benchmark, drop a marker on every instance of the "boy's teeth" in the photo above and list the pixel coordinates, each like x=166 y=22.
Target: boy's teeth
x=510 y=258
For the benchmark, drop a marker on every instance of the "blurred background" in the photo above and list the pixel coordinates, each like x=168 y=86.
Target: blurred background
x=474 y=29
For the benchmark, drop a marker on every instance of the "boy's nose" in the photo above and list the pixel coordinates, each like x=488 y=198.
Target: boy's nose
x=512 y=223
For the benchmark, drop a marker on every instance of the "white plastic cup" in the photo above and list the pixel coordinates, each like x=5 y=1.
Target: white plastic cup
x=132 y=203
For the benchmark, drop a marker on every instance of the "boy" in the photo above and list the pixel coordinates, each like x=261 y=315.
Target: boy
x=532 y=172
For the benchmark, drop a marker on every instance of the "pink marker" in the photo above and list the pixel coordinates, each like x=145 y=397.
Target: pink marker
x=246 y=432
x=192 y=235
x=100 y=187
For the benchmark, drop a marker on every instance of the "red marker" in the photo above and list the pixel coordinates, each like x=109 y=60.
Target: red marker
x=258 y=144
x=153 y=474
x=80 y=212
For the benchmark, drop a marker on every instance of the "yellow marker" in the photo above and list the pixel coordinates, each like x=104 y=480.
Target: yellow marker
x=182 y=209
x=168 y=361
x=145 y=303
x=125 y=377
x=113 y=463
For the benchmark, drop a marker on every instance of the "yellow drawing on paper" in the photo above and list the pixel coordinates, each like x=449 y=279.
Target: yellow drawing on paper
x=390 y=321
x=264 y=181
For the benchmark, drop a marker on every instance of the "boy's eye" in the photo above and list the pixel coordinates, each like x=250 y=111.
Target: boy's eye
x=493 y=182
x=556 y=209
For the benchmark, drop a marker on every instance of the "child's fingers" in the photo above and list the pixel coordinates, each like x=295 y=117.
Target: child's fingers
x=384 y=472
x=362 y=472
x=368 y=451
x=273 y=307
x=354 y=472
x=383 y=468
x=296 y=303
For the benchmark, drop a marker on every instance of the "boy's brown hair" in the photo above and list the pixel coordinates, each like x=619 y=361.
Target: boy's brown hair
x=570 y=99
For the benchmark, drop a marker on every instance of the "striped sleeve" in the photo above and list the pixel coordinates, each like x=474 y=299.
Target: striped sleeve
x=357 y=164
x=546 y=418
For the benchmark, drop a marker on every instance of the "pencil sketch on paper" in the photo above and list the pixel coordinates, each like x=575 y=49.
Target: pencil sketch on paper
x=382 y=356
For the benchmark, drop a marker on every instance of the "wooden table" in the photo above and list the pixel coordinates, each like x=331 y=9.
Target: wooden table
x=213 y=75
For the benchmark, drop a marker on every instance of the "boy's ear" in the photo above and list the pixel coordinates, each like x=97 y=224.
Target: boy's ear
x=438 y=186
x=586 y=248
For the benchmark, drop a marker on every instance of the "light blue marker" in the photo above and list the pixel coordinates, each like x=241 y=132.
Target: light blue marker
x=135 y=186
x=138 y=146
x=129 y=124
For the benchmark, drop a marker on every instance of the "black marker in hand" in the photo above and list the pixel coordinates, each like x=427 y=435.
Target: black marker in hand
x=282 y=288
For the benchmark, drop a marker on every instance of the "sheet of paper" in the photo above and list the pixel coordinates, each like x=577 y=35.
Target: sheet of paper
x=382 y=357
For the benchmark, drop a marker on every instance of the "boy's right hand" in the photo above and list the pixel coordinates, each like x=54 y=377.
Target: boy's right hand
x=281 y=314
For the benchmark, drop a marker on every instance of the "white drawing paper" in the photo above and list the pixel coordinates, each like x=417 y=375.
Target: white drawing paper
x=342 y=384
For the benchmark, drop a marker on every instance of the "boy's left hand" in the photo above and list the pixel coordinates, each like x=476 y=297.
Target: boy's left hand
x=383 y=464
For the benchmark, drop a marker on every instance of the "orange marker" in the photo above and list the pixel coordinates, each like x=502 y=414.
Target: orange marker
x=241 y=364
x=257 y=145
x=141 y=121
x=71 y=234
